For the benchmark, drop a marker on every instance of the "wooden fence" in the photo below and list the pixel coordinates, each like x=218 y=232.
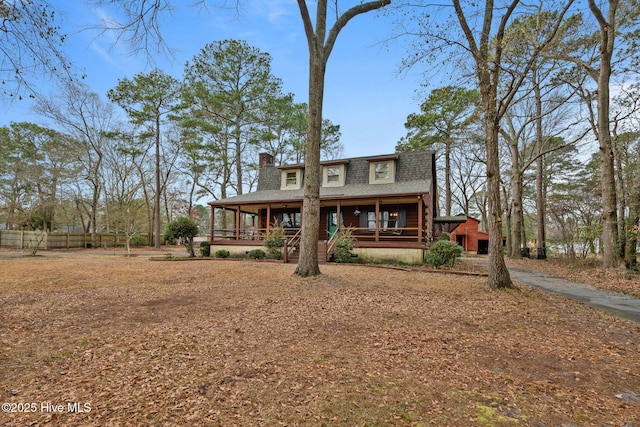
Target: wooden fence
x=29 y=239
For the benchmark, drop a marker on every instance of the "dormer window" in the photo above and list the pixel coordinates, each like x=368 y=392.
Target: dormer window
x=333 y=175
x=382 y=171
x=291 y=179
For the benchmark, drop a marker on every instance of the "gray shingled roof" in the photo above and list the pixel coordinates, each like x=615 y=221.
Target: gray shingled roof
x=413 y=176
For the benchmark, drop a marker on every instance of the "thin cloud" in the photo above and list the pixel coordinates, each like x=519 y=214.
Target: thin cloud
x=275 y=11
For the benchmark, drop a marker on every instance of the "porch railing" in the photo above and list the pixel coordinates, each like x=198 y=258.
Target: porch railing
x=250 y=233
x=331 y=243
x=409 y=234
x=290 y=245
x=387 y=234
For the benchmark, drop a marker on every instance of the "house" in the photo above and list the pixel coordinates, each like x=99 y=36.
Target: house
x=467 y=235
x=387 y=201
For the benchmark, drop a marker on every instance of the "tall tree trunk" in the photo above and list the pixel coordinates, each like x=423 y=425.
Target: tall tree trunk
x=540 y=196
x=609 y=204
x=319 y=51
x=509 y=223
x=609 y=200
x=631 y=256
x=156 y=204
x=308 y=261
x=516 y=202
x=94 y=213
x=621 y=196
x=487 y=69
x=499 y=276
x=238 y=154
x=147 y=203
x=447 y=177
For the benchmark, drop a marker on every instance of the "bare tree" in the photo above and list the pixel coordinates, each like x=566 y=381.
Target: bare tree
x=467 y=178
x=123 y=189
x=485 y=45
x=86 y=117
x=599 y=53
x=320 y=46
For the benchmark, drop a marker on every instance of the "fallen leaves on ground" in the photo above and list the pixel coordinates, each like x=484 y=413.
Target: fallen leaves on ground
x=251 y=344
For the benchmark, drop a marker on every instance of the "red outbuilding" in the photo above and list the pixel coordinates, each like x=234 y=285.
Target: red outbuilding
x=467 y=235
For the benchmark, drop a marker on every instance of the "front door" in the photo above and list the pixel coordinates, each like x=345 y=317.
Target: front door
x=332 y=222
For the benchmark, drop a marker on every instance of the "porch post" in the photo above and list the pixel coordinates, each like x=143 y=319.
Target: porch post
x=420 y=219
x=377 y=235
x=212 y=224
x=338 y=215
x=429 y=235
x=268 y=217
x=238 y=223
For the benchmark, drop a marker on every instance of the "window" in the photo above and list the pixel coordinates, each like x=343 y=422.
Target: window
x=389 y=219
x=290 y=220
x=382 y=172
x=333 y=175
x=371 y=220
x=291 y=179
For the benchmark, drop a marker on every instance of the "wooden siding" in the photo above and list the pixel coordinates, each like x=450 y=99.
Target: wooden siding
x=467 y=235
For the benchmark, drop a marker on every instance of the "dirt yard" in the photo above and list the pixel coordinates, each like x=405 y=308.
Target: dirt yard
x=95 y=338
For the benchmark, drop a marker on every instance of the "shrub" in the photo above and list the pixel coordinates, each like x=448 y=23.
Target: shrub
x=274 y=241
x=222 y=253
x=138 y=240
x=344 y=246
x=182 y=230
x=257 y=254
x=443 y=252
x=34 y=244
x=205 y=249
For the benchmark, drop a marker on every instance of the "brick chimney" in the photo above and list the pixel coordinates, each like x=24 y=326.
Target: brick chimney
x=265 y=159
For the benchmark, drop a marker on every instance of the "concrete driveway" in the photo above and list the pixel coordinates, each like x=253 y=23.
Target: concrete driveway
x=620 y=305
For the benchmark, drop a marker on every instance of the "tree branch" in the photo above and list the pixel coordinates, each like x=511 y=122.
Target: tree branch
x=346 y=17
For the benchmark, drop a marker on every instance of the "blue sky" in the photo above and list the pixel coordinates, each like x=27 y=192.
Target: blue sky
x=364 y=92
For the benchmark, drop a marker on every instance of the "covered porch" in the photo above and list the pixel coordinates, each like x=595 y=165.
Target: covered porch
x=378 y=222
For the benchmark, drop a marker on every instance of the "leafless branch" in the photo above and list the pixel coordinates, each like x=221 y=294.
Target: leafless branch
x=31 y=45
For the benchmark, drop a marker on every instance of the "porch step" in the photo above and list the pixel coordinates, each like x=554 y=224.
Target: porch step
x=322 y=250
